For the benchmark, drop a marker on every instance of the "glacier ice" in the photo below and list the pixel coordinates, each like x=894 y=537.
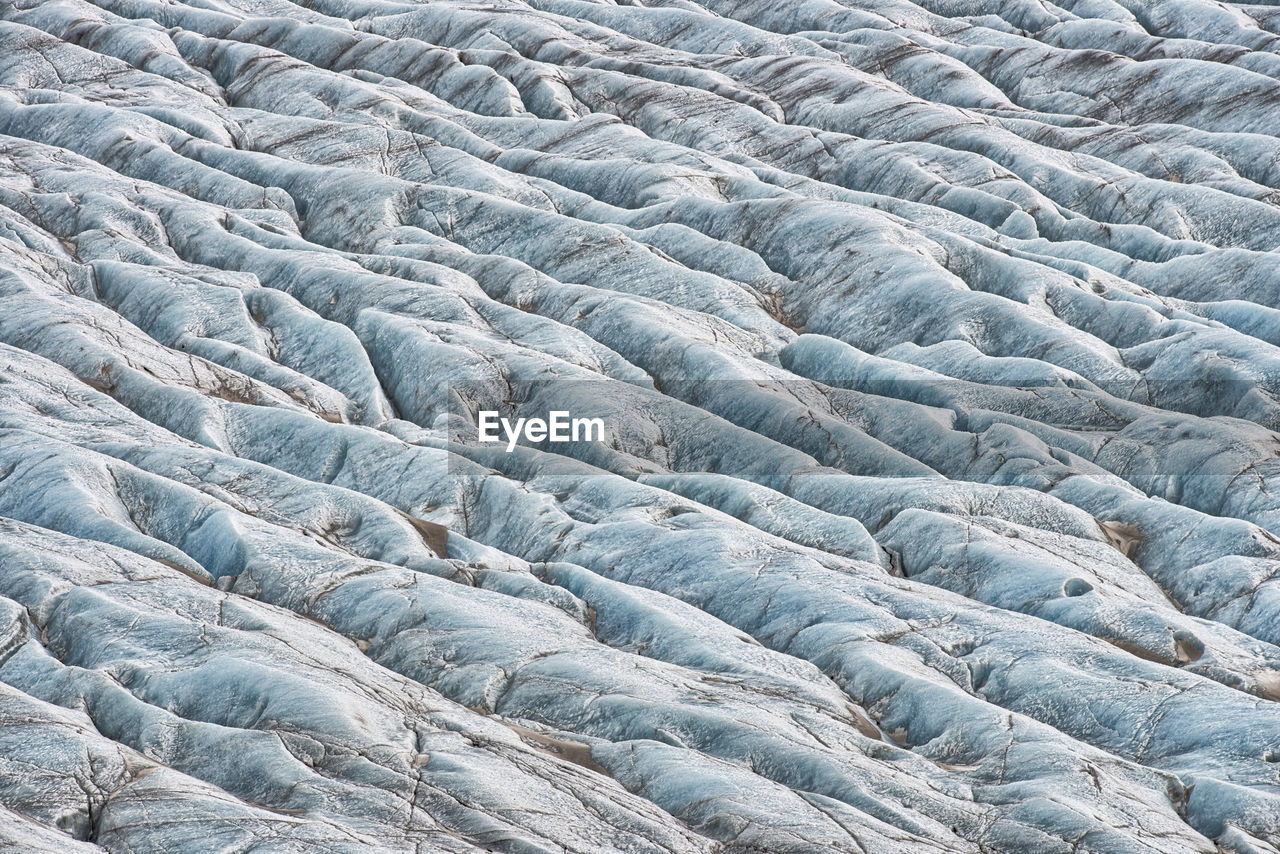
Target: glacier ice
x=938 y=345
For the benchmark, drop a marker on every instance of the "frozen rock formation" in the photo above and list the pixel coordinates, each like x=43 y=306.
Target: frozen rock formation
x=938 y=348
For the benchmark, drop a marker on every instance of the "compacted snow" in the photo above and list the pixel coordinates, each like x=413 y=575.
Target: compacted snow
x=937 y=347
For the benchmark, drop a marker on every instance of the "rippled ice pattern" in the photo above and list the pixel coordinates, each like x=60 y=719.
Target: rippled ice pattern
x=938 y=347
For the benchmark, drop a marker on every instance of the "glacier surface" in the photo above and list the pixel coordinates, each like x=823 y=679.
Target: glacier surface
x=939 y=348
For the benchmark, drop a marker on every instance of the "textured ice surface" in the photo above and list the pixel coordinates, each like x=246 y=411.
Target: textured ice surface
x=939 y=345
